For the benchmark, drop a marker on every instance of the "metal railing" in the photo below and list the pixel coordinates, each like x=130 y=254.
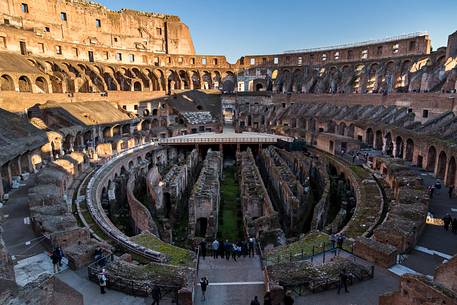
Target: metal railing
x=131 y=287
x=217 y=140
x=359 y=44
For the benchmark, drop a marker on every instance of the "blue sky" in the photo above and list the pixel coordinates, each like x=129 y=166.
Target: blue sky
x=241 y=27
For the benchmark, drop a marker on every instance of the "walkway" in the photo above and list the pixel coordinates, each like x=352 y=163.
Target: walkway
x=20 y=240
x=231 y=283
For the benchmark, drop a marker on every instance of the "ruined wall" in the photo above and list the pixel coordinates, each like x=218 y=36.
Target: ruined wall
x=446 y=274
x=141 y=216
x=259 y=214
x=90 y=24
x=205 y=198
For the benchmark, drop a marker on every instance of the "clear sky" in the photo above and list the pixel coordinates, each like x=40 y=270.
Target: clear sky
x=240 y=27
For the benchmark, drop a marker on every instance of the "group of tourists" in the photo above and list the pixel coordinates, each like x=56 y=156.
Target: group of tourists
x=288 y=299
x=228 y=249
x=337 y=240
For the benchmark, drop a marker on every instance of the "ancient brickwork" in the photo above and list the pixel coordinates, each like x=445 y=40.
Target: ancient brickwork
x=205 y=198
x=259 y=214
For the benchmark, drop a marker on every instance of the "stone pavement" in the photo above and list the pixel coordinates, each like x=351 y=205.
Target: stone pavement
x=361 y=293
x=20 y=240
x=29 y=269
x=435 y=245
x=231 y=283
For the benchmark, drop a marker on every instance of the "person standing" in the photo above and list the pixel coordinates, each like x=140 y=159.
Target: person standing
x=156 y=295
x=447 y=221
x=227 y=249
x=454 y=225
x=234 y=248
x=215 y=247
x=102 y=279
x=333 y=240
x=251 y=246
x=255 y=301
x=203 y=248
x=61 y=255
x=204 y=284
x=288 y=300
x=343 y=281
x=451 y=191
x=55 y=260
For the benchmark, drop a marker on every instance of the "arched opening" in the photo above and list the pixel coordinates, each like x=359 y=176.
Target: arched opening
x=409 y=153
x=25 y=84
x=185 y=79
x=126 y=129
x=107 y=132
x=137 y=86
x=431 y=159
x=442 y=160
x=201 y=227
x=369 y=137
x=42 y=85
x=196 y=80
x=228 y=82
x=399 y=147
x=131 y=164
x=378 y=141
x=258 y=87
x=342 y=129
x=174 y=81
x=7 y=83
x=351 y=130
x=167 y=204
x=116 y=130
x=331 y=125
x=207 y=81
x=450 y=181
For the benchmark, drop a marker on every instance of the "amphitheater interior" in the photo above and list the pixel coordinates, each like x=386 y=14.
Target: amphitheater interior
x=130 y=154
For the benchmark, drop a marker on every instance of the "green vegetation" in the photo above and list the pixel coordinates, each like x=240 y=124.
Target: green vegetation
x=230 y=219
x=177 y=256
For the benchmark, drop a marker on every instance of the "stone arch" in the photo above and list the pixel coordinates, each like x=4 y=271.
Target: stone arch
x=24 y=84
x=137 y=86
x=403 y=78
x=154 y=79
x=207 y=81
x=378 y=140
x=389 y=81
x=431 y=158
x=399 y=145
x=116 y=130
x=369 y=137
x=161 y=78
x=217 y=80
x=185 y=79
x=351 y=130
x=125 y=129
x=442 y=162
x=201 y=227
x=42 y=84
x=451 y=172
x=56 y=85
x=297 y=80
x=342 y=129
x=174 y=82
x=331 y=126
x=196 y=80
x=110 y=81
x=371 y=86
x=7 y=83
x=409 y=152
x=229 y=82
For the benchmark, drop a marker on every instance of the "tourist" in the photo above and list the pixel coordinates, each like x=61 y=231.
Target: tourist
x=203 y=248
x=251 y=246
x=431 y=190
x=447 y=219
x=215 y=247
x=228 y=249
x=61 y=255
x=102 y=280
x=333 y=240
x=339 y=241
x=454 y=225
x=255 y=301
x=234 y=251
x=204 y=284
x=156 y=295
x=451 y=191
x=438 y=184
x=343 y=281
x=55 y=258
x=244 y=248
x=267 y=298
x=221 y=249
x=288 y=300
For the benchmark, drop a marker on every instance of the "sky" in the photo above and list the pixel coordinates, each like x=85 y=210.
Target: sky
x=246 y=27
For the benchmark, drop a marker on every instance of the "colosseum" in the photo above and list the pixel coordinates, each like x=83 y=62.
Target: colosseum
x=132 y=167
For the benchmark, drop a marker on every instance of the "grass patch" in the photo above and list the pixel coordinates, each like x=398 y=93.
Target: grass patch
x=177 y=256
x=230 y=209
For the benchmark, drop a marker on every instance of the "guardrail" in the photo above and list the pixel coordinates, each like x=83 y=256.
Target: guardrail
x=217 y=140
x=104 y=223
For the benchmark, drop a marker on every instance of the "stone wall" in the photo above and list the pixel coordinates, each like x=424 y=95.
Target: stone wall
x=259 y=214
x=205 y=198
x=446 y=274
x=376 y=252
